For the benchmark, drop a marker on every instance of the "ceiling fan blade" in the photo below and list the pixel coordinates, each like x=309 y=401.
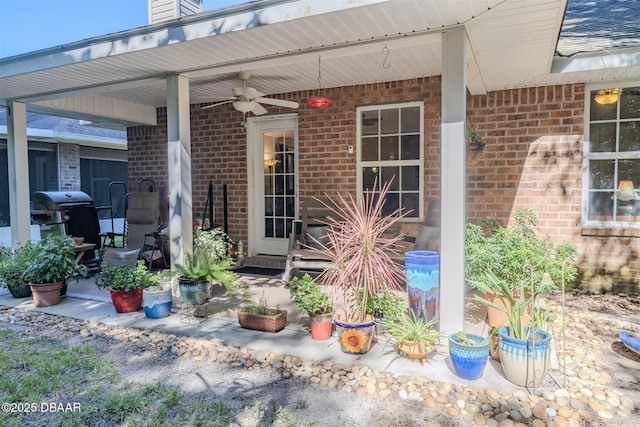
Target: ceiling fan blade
x=218 y=103
x=259 y=110
x=278 y=102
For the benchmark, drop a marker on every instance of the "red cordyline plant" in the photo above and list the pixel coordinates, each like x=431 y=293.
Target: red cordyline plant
x=361 y=246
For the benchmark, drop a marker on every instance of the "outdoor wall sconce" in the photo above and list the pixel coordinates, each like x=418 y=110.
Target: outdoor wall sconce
x=271 y=162
x=607 y=96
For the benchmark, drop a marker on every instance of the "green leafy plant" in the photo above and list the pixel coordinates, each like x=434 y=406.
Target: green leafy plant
x=360 y=247
x=14 y=262
x=122 y=278
x=199 y=265
x=409 y=327
x=54 y=261
x=251 y=305
x=516 y=255
x=308 y=296
x=386 y=305
x=462 y=338
x=517 y=306
x=215 y=242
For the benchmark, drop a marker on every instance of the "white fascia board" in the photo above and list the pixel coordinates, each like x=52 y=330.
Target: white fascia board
x=596 y=61
x=105 y=107
x=194 y=27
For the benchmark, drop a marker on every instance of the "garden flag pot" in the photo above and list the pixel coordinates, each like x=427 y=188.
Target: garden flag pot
x=422 y=269
x=355 y=338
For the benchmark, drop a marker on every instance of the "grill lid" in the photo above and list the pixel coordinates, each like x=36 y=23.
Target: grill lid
x=51 y=200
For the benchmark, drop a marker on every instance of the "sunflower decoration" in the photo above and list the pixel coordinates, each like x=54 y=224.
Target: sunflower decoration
x=354 y=341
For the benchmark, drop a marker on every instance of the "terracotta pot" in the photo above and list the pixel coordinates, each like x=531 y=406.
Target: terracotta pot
x=412 y=350
x=321 y=325
x=127 y=301
x=494 y=344
x=497 y=317
x=355 y=338
x=46 y=294
x=272 y=321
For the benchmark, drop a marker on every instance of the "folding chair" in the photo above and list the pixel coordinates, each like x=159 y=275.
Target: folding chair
x=142 y=217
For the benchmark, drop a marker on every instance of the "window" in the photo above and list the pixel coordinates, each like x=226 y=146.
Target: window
x=96 y=175
x=391 y=148
x=612 y=157
x=43 y=173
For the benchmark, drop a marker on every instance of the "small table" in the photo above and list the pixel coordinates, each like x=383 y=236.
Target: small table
x=80 y=250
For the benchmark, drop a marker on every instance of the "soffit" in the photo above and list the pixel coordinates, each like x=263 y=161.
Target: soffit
x=511 y=42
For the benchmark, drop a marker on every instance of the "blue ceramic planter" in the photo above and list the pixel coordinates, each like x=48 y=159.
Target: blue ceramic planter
x=423 y=283
x=525 y=361
x=468 y=360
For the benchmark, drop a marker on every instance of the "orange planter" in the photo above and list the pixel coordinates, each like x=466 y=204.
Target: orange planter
x=321 y=326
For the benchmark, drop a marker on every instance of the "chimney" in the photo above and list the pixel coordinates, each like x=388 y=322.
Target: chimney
x=166 y=10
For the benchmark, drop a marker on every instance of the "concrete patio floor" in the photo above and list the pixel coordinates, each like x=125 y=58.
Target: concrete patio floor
x=86 y=302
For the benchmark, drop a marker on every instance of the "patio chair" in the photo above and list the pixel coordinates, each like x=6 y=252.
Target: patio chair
x=310 y=226
x=142 y=217
x=83 y=222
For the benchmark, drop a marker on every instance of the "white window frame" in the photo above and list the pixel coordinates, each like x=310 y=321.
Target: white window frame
x=360 y=164
x=588 y=156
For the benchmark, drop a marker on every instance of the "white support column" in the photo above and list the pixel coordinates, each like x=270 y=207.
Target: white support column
x=452 y=180
x=18 y=158
x=179 y=159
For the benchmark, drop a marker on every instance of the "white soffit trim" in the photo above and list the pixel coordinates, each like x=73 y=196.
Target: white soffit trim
x=597 y=61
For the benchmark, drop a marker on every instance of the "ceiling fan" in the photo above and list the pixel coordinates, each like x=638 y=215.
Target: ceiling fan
x=248 y=99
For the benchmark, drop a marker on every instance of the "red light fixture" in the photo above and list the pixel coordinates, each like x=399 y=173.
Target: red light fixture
x=319 y=101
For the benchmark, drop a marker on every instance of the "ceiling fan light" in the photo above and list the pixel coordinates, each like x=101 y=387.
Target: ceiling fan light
x=244 y=106
x=319 y=102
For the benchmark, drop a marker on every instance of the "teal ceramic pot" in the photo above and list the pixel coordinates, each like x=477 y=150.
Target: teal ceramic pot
x=194 y=292
x=469 y=360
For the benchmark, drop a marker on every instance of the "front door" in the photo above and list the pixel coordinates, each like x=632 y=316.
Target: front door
x=273 y=190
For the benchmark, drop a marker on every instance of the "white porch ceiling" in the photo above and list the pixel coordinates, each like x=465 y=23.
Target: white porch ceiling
x=511 y=42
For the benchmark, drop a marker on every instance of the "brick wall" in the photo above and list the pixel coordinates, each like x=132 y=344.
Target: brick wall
x=533 y=159
x=69 y=166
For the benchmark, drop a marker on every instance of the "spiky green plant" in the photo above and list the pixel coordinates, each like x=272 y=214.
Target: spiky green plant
x=360 y=247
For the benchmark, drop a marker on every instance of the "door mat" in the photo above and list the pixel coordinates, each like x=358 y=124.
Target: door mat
x=260 y=271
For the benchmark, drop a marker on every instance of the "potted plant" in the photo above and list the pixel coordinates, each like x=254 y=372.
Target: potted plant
x=524 y=350
x=209 y=263
x=156 y=298
x=413 y=337
x=310 y=299
x=388 y=305
x=53 y=263
x=360 y=248
x=199 y=271
x=257 y=315
x=469 y=354
x=517 y=256
x=125 y=285
x=13 y=263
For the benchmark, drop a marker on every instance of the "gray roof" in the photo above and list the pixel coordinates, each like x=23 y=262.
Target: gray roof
x=66 y=125
x=599 y=25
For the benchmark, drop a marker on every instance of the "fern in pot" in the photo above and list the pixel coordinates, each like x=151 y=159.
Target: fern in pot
x=361 y=266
